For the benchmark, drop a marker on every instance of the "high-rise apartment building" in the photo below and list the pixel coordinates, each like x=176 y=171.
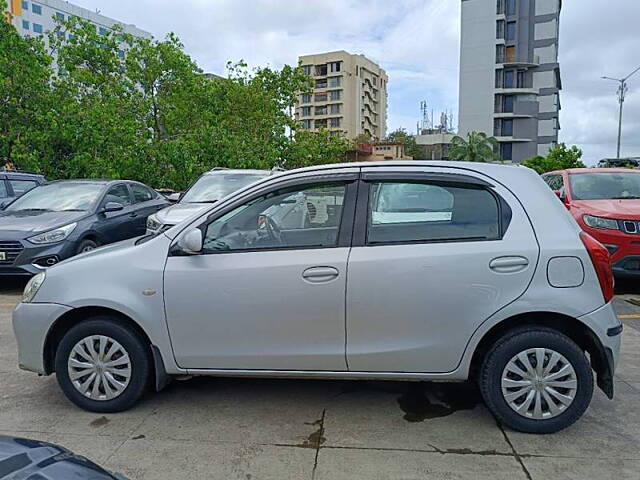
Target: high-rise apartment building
x=32 y=18
x=350 y=95
x=509 y=74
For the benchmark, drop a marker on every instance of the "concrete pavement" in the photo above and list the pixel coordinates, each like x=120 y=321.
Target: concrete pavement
x=207 y=428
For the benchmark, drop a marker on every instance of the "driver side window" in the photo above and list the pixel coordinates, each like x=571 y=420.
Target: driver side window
x=298 y=217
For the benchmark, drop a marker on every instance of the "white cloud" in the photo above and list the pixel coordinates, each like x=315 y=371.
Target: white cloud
x=417 y=42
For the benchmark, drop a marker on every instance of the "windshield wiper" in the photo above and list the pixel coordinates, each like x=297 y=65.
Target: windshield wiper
x=628 y=197
x=72 y=210
x=33 y=210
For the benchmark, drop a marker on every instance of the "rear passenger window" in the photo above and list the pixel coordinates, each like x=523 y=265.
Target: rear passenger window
x=423 y=212
x=118 y=194
x=141 y=193
x=3 y=189
x=22 y=186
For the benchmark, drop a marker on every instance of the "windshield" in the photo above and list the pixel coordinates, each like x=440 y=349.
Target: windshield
x=211 y=188
x=59 y=197
x=594 y=186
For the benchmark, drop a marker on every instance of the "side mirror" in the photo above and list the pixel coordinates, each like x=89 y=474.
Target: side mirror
x=112 y=207
x=174 y=197
x=191 y=242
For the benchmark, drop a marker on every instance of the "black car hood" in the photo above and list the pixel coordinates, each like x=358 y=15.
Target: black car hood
x=31 y=222
x=22 y=458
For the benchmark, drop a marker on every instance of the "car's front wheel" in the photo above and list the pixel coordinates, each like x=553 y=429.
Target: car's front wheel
x=536 y=380
x=103 y=365
x=86 y=246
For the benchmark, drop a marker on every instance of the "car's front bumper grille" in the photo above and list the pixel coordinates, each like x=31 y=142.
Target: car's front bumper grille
x=9 y=251
x=630 y=226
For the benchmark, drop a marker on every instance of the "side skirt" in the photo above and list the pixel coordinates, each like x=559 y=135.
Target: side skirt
x=334 y=375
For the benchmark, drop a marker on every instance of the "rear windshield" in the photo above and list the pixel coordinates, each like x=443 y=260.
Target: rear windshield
x=610 y=185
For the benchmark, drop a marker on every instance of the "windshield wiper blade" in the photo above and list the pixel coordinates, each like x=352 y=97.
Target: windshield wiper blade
x=72 y=210
x=628 y=197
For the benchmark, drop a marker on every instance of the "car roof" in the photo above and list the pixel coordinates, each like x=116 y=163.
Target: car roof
x=573 y=171
x=26 y=175
x=95 y=181
x=237 y=171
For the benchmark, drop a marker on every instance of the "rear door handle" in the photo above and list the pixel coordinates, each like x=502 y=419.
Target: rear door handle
x=320 y=274
x=133 y=214
x=508 y=264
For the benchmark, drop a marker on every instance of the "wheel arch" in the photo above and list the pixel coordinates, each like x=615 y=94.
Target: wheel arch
x=73 y=317
x=573 y=328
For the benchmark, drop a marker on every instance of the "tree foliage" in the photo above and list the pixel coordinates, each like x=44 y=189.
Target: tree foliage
x=478 y=147
x=411 y=148
x=117 y=106
x=24 y=84
x=559 y=157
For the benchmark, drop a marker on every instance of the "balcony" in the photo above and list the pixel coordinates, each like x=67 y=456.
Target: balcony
x=512 y=60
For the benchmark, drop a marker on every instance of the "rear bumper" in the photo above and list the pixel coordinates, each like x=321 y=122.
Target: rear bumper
x=31 y=325
x=607 y=328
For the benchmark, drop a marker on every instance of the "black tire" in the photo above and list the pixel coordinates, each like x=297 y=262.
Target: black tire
x=86 y=245
x=518 y=341
x=139 y=356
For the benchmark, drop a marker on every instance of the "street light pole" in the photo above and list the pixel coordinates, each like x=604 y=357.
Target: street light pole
x=622 y=92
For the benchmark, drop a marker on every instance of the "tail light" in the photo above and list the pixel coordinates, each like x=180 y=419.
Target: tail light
x=601 y=263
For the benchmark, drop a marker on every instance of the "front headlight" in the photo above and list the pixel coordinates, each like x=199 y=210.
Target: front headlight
x=600 y=222
x=33 y=286
x=153 y=223
x=53 y=236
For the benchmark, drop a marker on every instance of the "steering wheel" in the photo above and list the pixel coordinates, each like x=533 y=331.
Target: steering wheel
x=273 y=229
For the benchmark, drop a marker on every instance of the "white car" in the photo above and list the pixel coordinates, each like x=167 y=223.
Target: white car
x=391 y=271
x=209 y=188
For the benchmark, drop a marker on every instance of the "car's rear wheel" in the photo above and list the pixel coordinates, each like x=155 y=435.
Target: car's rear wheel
x=536 y=380
x=86 y=246
x=102 y=365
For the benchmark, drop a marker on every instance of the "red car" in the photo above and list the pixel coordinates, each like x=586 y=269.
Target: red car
x=606 y=204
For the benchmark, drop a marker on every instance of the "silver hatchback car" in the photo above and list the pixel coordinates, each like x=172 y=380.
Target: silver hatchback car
x=393 y=271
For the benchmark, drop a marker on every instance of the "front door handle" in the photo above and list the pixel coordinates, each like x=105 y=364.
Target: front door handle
x=320 y=274
x=508 y=264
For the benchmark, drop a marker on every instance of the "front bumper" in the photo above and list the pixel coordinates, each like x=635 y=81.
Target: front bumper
x=627 y=267
x=25 y=264
x=31 y=325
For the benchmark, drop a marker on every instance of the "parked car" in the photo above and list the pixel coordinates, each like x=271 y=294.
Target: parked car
x=22 y=458
x=209 y=188
x=481 y=275
x=14 y=183
x=606 y=204
x=60 y=219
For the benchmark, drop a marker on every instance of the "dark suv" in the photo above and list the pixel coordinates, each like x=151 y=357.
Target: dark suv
x=14 y=184
x=58 y=220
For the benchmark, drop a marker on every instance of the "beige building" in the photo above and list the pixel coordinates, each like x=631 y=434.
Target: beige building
x=377 y=151
x=350 y=95
x=435 y=144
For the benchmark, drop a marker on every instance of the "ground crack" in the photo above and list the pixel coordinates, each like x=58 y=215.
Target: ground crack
x=318 y=438
x=515 y=453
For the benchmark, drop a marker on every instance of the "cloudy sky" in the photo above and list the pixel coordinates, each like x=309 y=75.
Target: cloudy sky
x=416 y=42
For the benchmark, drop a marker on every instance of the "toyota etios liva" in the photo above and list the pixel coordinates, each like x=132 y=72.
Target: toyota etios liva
x=396 y=271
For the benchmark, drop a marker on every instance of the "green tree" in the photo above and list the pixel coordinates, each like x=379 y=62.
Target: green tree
x=118 y=106
x=478 y=147
x=24 y=87
x=313 y=148
x=411 y=148
x=559 y=157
